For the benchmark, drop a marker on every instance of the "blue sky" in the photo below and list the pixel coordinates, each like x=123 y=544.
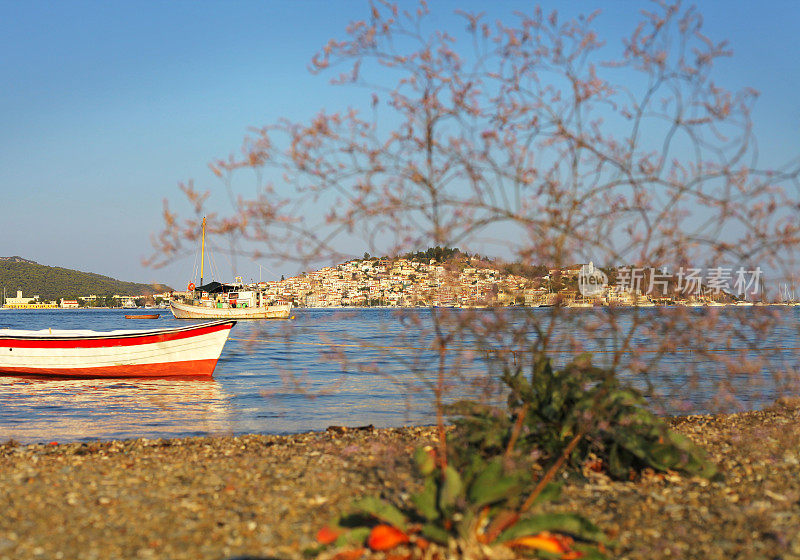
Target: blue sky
x=106 y=106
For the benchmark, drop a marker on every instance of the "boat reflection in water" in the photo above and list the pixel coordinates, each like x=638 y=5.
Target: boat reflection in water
x=89 y=409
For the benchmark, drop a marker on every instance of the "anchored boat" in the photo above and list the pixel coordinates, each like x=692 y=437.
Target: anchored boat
x=183 y=351
x=226 y=301
x=229 y=301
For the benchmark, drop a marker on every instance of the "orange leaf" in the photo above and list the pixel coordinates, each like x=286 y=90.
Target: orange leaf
x=386 y=537
x=543 y=541
x=326 y=535
x=352 y=554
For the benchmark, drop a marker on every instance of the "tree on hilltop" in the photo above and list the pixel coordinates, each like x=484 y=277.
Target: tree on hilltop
x=436 y=254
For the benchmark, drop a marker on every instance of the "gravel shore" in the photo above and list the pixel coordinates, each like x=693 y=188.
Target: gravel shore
x=266 y=496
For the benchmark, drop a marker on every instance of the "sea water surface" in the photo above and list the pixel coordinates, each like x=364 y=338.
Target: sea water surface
x=279 y=377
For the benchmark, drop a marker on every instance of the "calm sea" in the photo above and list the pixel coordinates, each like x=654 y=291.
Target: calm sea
x=283 y=377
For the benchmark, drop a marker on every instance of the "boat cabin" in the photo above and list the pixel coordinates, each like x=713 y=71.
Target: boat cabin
x=242 y=299
x=233 y=300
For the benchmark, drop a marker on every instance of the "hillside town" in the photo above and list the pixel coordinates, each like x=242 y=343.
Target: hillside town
x=401 y=282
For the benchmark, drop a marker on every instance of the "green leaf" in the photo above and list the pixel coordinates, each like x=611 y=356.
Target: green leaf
x=451 y=488
x=632 y=442
x=436 y=534
x=492 y=485
x=616 y=466
x=663 y=456
x=425 y=462
x=569 y=523
x=313 y=551
x=695 y=461
x=425 y=501
x=357 y=536
x=383 y=511
x=550 y=492
x=464 y=527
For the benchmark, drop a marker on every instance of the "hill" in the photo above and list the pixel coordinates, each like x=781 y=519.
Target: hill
x=52 y=282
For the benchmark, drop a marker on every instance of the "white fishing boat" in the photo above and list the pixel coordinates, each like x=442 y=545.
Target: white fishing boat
x=227 y=301
x=230 y=305
x=580 y=304
x=183 y=351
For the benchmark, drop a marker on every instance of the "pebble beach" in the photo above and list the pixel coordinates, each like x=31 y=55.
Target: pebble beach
x=264 y=496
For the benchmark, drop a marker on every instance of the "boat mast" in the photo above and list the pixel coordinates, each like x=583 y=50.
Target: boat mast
x=202 y=250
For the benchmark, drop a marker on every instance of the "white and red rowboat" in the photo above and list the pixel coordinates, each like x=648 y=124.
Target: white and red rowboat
x=188 y=351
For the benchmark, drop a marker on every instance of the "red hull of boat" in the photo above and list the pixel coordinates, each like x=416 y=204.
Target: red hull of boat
x=191 y=368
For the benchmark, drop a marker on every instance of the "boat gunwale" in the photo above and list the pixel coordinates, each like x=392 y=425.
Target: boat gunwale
x=111 y=336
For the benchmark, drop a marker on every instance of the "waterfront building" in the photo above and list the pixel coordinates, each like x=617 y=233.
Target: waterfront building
x=21 y=302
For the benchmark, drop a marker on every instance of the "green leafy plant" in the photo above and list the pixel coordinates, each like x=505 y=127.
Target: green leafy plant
x=553 y=406
x=482 y=493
